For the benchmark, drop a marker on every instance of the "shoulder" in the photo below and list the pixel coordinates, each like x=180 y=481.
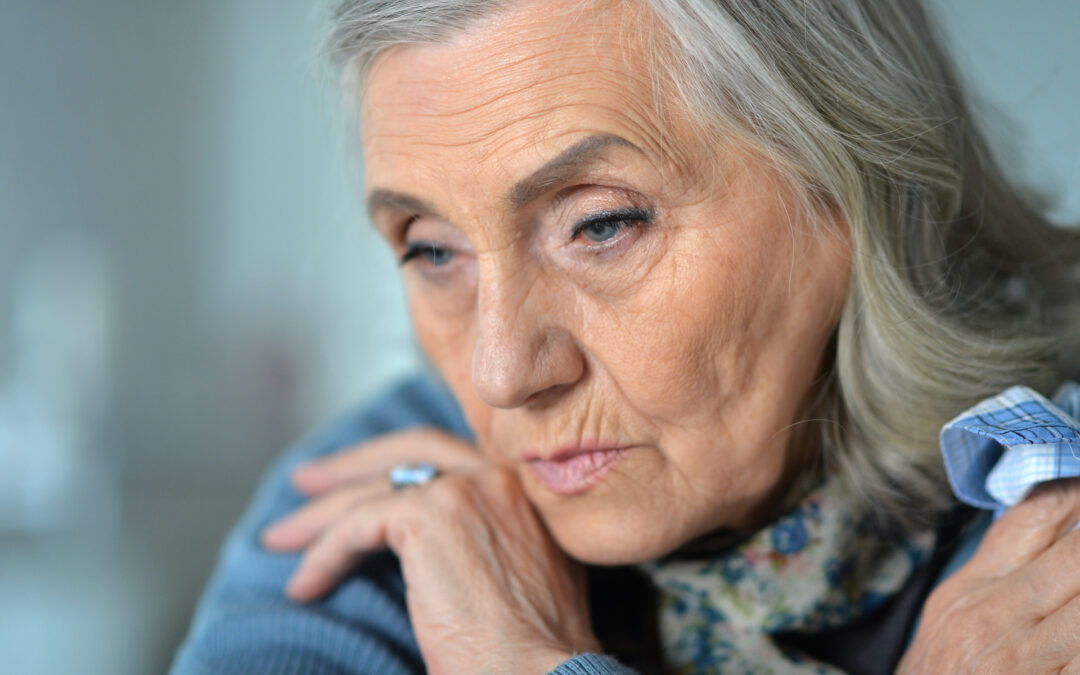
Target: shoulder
x=244 y=623
x=965 y=545
x=417 y=401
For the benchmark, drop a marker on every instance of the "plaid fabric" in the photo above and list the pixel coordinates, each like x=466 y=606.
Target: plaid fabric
x=996 y=452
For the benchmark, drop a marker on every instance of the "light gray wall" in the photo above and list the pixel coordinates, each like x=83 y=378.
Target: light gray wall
x=1022 y=60
x=178 y=170
x=190 y=155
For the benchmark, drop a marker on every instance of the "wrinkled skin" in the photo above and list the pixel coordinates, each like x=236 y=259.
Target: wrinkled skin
x=689 y=330
x=692 y=339
x=1014 y=607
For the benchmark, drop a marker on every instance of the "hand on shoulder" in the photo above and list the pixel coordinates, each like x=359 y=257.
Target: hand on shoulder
x=486 y=585
x=1015 y=606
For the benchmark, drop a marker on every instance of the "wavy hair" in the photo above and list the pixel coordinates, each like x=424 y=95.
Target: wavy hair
x=960 y=287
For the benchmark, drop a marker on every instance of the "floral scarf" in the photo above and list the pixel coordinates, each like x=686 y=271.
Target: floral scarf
x=820 y=566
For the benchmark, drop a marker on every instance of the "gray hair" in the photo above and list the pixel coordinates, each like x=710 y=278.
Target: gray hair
x=960 y=287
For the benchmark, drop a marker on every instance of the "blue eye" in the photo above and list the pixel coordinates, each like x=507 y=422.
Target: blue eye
x=433 y=253
x=600 y=228
x=604 y=230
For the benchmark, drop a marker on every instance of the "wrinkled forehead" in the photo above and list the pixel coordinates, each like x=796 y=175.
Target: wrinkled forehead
x=517 y=86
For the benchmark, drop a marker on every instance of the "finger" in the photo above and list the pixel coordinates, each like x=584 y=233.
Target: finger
x=341 y=547
x=1050 y=581
x=356 y=463
x=1059 y=636
x=1072 y=667
x=298 y=529
x=371 y=460
x=1028 y=529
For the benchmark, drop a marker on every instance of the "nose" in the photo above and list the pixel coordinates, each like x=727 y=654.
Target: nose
x=522 y=354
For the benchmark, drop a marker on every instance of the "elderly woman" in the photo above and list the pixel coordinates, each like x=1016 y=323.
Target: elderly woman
x=706 y=279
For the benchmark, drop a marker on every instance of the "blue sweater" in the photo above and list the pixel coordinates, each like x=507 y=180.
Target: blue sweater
x=245 y=624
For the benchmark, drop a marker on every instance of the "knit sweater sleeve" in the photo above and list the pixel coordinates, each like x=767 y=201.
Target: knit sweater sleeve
x=592 y=664
x=245 y=624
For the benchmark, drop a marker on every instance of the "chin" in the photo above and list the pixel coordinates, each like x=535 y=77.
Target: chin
x=608 y=535
x=622 y=519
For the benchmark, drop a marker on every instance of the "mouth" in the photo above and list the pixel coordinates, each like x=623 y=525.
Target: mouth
x=575 y=469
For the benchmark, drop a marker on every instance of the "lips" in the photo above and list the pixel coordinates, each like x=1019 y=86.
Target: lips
x=574 y=470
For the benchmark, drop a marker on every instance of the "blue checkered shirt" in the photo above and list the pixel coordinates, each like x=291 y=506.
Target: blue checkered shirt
x=996 y=452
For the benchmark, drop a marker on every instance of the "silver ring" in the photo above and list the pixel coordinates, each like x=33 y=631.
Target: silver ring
x=410 y=474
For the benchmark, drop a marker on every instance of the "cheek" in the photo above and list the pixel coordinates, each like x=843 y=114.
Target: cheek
x=449 y=341
x=684 y=340
x=446 y=338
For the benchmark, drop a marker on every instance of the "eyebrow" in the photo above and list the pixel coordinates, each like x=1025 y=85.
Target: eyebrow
x=383 y=200
x=568 y=164
x=555 y=172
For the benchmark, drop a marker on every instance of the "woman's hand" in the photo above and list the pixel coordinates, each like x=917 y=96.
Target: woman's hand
x=487 y=587
x=1015 y=606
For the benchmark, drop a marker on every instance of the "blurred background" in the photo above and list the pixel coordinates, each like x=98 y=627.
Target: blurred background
x=188 y=284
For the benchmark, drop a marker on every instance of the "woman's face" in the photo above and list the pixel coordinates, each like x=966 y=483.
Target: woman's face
x=631 y=317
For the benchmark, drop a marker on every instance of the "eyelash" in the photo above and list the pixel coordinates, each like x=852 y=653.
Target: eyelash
x=630 y=218
x=633 y=217
x=418 y=248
